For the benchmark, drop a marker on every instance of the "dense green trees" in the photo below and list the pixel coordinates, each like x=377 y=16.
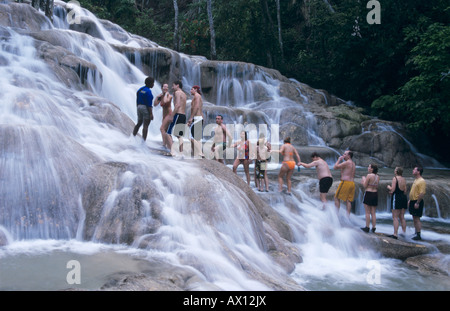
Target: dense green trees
x=397 y=69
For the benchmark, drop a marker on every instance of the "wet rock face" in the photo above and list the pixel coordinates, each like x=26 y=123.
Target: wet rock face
x=432 y=264
x=398 y=249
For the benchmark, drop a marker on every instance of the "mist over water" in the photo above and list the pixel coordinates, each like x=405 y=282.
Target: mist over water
x=53 y=133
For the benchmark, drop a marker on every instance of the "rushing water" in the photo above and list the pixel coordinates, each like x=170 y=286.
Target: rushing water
x=51 y=136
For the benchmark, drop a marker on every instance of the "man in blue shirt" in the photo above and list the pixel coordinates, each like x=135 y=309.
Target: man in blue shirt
x=144 y=102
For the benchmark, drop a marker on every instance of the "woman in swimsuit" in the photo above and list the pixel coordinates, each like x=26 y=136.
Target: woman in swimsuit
x=287 y=167
x=262 y=159
x=243 y=148
x=370 y=183
x=399 y=201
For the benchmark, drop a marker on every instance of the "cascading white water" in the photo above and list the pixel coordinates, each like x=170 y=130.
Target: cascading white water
x=52 y=135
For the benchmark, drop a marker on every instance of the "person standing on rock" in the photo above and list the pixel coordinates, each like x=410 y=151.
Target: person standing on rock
x=288 y=165
x=165 y=100
x=144 y=102
x=243 y=155
x=263 y=149
x=370 y=200
x=346 y=188
x=323 y=174
x=178 y=125
x=415 y=202
x=195 y=122
x=399 y=201
x=221 y=134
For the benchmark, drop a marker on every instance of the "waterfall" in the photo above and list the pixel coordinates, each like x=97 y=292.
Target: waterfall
x=75 y=181
x=438 y=211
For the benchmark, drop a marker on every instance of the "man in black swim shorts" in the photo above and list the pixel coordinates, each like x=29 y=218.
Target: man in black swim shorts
x=324 y=175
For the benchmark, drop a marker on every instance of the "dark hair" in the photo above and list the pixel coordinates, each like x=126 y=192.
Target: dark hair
x=149 y=81
x=287 y=140
x=350 y=153
x=314 y=154
x=179 y=83
x=399 y=171
x=245 y=135
x=219 y=115
x=374 y=168
x=420 y=169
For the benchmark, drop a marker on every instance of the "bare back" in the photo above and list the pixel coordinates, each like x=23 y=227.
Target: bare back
x=401 y=183
x=179 y=102
x=197 y=106
x=348 y=169
x=322 y=169
x=288 y=151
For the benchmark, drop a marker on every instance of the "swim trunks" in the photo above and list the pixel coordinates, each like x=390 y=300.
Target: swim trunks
x=416 y=211
x=142 y=113
x=290 y=164
x=370 y=198
x=220 y=150
x=345 y=191
x=177 y=127
x=197 y=128
x=260 y=167
x=325 y=184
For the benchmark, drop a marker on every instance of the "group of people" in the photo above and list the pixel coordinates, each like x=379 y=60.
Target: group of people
x=399 y=200
x=174 y=120
x=174 y=123
x=346 y=191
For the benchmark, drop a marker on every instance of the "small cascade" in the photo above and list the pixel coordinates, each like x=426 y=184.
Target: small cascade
x=438 y=211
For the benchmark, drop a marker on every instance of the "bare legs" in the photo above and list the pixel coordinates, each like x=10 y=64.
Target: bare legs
x=399 y=214
x=285 y=171
x=246 y=168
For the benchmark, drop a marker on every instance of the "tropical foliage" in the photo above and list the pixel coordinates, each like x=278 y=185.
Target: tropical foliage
x=398 y=69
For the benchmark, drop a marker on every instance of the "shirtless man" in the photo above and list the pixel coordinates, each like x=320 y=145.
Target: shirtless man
x=323 y=174
x=178 y=116
x=165 y=100
x=220 y=139
x=195 y=122
x=346 y=188
x=287 y=167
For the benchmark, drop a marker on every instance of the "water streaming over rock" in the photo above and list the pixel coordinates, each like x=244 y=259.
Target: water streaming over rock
x=72 y=174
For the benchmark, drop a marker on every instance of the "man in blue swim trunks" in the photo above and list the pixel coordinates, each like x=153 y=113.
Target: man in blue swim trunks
x=144 y=102
x=178 y=125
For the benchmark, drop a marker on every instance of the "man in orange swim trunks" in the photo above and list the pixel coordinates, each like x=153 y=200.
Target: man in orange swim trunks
x=346 y=188
x=288 y=164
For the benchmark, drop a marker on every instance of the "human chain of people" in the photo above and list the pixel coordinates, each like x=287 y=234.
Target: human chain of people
x=253 y=147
